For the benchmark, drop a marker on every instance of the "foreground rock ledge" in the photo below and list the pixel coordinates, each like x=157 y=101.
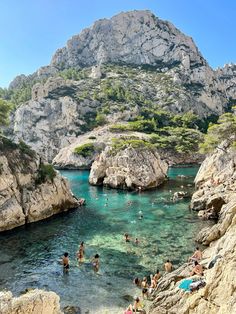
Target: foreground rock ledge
x=24 y=196
x=130 y=168
x=33 y=302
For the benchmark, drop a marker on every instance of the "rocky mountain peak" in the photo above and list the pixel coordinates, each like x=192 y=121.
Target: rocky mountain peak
x=134 y=37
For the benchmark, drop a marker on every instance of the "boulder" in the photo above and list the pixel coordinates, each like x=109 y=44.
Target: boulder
x=33 y=302
x=129 y=168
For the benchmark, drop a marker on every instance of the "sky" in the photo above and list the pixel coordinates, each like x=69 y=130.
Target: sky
x=32 y=30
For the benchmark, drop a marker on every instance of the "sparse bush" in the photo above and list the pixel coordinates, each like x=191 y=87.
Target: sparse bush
x=85 y=150
x=45 y=172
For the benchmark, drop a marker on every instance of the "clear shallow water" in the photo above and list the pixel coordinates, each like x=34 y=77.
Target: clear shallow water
x=29 y=255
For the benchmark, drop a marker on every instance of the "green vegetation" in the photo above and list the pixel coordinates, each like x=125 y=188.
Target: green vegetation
x=122 y=143
x=45 y=172
x=100 y=119
x=179 y=139
x=85 y=150
x=146 y=126
x=73 y=74
x=5 y=108
x=224 y=129
x=26 y=149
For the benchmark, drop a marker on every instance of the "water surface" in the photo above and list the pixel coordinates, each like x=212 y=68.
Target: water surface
x=29 y=255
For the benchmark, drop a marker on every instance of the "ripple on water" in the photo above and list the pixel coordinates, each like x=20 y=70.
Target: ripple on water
x=29 y=257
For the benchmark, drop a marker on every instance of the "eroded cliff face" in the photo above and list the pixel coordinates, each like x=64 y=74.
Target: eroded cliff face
x=149 y=55
x=129 y=168
x=102 y=137
x=215 y=181
x=26 y=196
x=33 y=302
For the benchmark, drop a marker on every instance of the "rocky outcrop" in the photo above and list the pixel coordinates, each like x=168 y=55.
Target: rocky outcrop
x=128 y=168
x=215 y=182
x=33 y=302
x=29 y=190
x=102 y=137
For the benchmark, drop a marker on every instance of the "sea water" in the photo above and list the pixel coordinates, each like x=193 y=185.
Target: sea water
x=29 y=256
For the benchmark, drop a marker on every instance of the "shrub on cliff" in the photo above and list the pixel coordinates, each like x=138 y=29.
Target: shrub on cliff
x=224 y=129
x=5 y=108
x=45 y=172
x=85 y=150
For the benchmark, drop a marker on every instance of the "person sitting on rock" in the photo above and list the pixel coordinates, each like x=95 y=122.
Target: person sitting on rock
x=168 y=266
x=197 y=269
x=197 y=256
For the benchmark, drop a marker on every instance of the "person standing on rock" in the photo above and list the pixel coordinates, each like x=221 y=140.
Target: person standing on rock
x=168 y=266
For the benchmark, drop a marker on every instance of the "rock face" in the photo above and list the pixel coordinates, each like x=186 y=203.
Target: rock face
x=102 y=137
x=136 y=37
x=129 y=168
x=169 y=70
x=33 y=302
x=215 y=180
x=24 y=196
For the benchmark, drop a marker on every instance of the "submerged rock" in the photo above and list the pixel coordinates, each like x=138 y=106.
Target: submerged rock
x=134 y=168
x=29 y=189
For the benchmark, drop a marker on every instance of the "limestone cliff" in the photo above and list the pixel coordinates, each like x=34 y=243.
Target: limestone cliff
x=100 y=137
x=29 y=189
x=216 y=192
x=129 y=167
x=149 y=59
x=33 y=302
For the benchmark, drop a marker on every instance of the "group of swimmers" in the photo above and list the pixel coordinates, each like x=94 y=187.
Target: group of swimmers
x=147 y=288
x=80 y=257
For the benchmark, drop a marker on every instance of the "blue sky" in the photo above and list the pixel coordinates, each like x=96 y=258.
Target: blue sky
x=31 y=30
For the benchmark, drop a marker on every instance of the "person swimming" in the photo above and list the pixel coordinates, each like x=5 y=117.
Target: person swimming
x=140 y=215
x=80 y=253
x=127 y=238
x=95 y=262
x=65 y=261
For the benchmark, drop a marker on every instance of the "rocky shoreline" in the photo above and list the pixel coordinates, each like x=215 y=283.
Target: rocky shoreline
x=30 y=190
x=216 y=174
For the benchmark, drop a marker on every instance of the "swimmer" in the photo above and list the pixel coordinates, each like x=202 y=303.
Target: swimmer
x=136 y=241
x=95 y=262
x=127 y=238
x=140 y=215
x=65 y=262
x=80 y=253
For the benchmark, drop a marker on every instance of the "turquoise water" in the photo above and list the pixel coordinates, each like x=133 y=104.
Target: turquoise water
x=29 y=255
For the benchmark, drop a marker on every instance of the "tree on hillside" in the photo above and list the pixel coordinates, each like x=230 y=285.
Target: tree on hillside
x=5 y=108
x=224 y=129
